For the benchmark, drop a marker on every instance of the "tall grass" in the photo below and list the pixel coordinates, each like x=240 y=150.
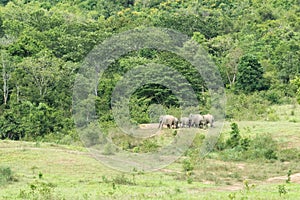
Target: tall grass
x=6 y=175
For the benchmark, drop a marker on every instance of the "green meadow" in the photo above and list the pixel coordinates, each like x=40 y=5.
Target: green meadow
x=41 y=170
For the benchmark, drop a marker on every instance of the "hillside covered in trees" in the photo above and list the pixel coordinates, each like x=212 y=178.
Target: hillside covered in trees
x=255 y=45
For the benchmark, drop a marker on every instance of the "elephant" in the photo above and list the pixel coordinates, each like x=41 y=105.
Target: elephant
x=195 y=120
x=169 y=120
x=208 y=119
x=184 y=122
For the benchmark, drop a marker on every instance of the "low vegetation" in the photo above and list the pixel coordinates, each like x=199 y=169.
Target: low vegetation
x=247 y=162
x=6 y=175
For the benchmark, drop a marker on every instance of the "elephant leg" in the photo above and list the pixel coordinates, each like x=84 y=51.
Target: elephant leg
x=198 y=125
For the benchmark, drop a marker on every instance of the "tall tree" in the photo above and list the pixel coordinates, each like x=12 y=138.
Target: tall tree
x=250 y=75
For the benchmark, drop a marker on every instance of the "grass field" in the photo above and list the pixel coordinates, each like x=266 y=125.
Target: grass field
x=51 y=171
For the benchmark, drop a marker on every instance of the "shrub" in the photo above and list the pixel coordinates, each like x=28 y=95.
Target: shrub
x=221 y=143
x=272 y=115
x=246 y=107
x=187 y=165
x=263 y=146
x=281 y=189
x=288 y=180
x=235 y=136
x=289 y=154
x=6 y=175
x=189 y=180
x=108 y=149
x=39 y=190
x=245 y=144
x=123 y=180
x=274 y=96
x=91 y=135
x=270 y=154
x=149 y=145
x=238 y=148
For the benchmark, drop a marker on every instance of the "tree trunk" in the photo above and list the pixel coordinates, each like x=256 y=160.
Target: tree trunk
x=5 y=77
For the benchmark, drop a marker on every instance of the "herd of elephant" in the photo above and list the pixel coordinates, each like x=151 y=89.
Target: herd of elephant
x=194 y=120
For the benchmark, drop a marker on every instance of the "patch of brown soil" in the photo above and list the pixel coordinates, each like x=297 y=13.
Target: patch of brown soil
x=149 y=126
x=295 y=178
x=241 y=166
x=169 y=171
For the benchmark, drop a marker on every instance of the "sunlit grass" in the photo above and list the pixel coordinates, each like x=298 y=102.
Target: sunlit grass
x=70 y=172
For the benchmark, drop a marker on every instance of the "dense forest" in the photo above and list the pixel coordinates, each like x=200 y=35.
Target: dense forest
x=254 y=44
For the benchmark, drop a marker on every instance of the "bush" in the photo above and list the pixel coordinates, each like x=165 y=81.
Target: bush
x=187 y=165
x=123 y=180
x=92 y=135
x=246 y=107
x=6 y=175
x=40 y=190
x=289 y=154
x=245 y=144
x=263 y=146
x=238 y=148
x=221 y=143
x=235 y=136
x=273 y=96
x=108 y=149
x=149 y=145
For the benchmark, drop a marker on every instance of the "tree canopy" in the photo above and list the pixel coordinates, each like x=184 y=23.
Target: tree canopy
x=254 y=44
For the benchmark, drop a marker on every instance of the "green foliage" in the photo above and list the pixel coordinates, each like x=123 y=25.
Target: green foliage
x=39 y=190
x=288 y=180
x=40 y=175
x=235 y=144
x=43 y=43
x=237 y=147
x=108 y=149
x=92 y=135
x=250 y=75
x=149 y=145
x=247 y=186
x=4 y=2
x=232 y=196
x=274 y=96
x=288 y=154
x=245 y=144
x=6 y=175
x=296 y=83
x=246 y=107
x=187 y=165
x=282 y=190
x=123 y=180
x=235 y=136
x=264 y=146
x=189 y=180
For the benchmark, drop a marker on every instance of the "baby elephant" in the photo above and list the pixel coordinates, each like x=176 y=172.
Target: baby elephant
x=184 y=122
x=169 y=120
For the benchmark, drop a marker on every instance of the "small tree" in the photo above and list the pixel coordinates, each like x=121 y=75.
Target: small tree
x=235 y=136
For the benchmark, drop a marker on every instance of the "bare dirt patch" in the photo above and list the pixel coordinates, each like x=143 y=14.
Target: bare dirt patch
x=149 y=126
x=295 y=178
